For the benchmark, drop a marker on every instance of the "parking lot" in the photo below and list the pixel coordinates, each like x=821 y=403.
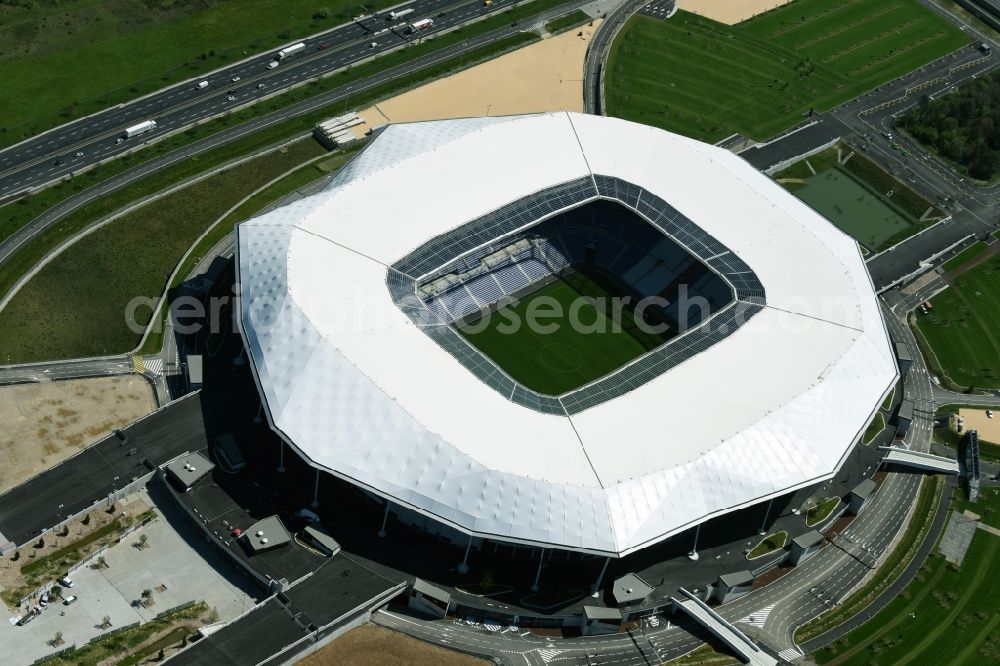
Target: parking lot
x=169 y=565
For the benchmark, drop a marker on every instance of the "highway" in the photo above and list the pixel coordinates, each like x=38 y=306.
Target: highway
x=70 y=148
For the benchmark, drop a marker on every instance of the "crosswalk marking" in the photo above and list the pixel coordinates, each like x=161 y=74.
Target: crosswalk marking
x=547 y=654
x=758 y=618
x=791 y=654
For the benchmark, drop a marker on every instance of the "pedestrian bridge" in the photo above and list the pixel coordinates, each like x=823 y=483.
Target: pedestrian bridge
x=735 y=639
x=920 y=460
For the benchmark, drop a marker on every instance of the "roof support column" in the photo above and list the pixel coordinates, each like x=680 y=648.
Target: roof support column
x=260 y=413
x=538 y=574
x=315 y=503
x=281 y=455
x=463 y=568
x=595 y=590
x=762 y=531
x=693 y=555
x=385 y=518
x=238 y=361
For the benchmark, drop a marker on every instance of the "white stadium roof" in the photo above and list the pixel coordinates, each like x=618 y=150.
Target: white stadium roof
x=357 y=388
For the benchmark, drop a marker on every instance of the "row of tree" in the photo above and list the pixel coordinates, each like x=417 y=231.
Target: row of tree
x=963 y=126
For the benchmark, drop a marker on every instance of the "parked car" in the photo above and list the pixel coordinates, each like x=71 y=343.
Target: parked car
x=66 y=581
x=70 y=600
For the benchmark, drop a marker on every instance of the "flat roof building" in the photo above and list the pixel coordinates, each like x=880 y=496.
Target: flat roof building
x=266 y=534
x=186 y=470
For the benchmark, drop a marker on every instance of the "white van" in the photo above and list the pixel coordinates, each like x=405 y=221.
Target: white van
x=272 y=64
x=201 y=85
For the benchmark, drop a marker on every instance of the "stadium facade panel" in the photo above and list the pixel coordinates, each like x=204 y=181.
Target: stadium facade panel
x=363 y=377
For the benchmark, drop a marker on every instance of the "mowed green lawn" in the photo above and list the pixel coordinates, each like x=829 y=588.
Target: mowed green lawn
x=76 y=305
x=707 y=80
x=946 y=617
x=555 y=361
x=963 y=327
x=75 y=56
x=837 y=196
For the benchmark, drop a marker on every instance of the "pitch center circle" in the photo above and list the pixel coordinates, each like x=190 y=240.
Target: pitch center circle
x=561 y=357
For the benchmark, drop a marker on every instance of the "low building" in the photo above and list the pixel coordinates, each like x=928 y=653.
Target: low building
x=195 y=371
x=733 y=585
x=860 y=495
x=266 y=534
x=186 y=470
x=805 y=546
x=630 y=589
x=427 y=598
x=905 y=417
x=321 y=540
x=904 y=359
x=596 y=620
x=228 y=453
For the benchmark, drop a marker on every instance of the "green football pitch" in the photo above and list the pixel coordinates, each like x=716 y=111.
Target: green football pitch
x=707 y=80
x=963 y=327
x=572 y=341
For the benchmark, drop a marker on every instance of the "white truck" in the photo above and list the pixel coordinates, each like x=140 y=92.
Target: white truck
x=291 y=50
x=422 y=24
x=141 y=128
x=201 y=85
x=400 y=13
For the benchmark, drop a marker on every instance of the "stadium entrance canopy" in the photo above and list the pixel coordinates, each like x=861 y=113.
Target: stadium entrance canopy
x=360 y=375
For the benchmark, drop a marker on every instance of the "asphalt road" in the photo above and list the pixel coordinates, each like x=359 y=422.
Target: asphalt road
x=53 y=215
x=54 y=154
x=73 y=369
x=94 y=473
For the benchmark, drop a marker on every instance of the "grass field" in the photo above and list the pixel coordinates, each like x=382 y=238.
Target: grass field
x=946 y=616
x=963 y=328
x=568 y=22
x=859 y=197
x=707 y=80
x=555 y=358
x=75 y=306
x=70 y=58
x=837 y=196
x=965 y=256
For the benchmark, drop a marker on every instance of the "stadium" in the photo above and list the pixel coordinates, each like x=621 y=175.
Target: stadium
x=434 y=329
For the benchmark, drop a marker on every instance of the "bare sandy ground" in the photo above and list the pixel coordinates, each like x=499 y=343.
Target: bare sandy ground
x=369 y=645
x=729 y=11
x=44 y=424
x=989 y=429
x=545 y=76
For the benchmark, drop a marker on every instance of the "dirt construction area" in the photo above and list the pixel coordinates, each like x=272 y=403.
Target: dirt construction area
x=729 y=12
x=45 y=423
x=545 y=76
x=988 y=428
x=374 y=646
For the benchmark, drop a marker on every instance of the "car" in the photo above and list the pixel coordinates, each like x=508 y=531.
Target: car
x=322 y=46
x=272 y=64
x=259 y=86
x=43 y=600
x=66 y=581
x=70 y=600
x=235 y=79
x=989 y=413
x=887 y=135
x=230 y=98
x=27 y=618
x=78 y=153
x=119 y=140
x=373 y=45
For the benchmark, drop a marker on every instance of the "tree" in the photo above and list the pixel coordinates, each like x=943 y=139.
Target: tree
x=101 y=562
x=160 y=655
x=57 y=639
x=86 y=519
x=147 y=596
x=105 y=622
x=143 y=540
x=41 y=542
